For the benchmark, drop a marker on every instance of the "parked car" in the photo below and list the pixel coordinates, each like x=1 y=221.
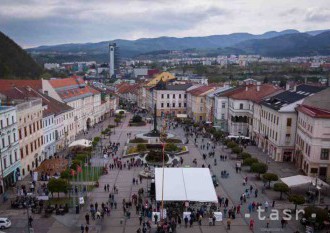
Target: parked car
x=4 y=223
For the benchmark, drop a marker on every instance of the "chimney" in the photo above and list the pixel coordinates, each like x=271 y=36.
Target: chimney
x=287 y=87
x=246 y=88
x=258 y=86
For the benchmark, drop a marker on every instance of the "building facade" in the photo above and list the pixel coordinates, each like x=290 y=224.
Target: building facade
x=196 y=102
x=170 y=99
x=275 y=122
x=312 y=149
x=9 y=148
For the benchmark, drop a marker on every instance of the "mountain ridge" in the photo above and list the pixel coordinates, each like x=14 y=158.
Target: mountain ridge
x=15 y=62
x=133 y=48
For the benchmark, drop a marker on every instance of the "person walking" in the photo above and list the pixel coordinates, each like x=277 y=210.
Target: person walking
x=186 y=221
x=266 y=206
x=82 y=228
x=86 y=229
x=228 y=223
x=251 y=224
x=87 y=218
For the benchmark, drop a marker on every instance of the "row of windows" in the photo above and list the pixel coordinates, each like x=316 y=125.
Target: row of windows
x=269 y=132
x=173 y=95
x=47 y=122
x=325 y=152
x=7 y=122
x=24 y=132
x=36 y=114
x=10 y=138
x=173 y=105
x=12 y=159
x=305 y=125
x=32 y=147
x=271 y=117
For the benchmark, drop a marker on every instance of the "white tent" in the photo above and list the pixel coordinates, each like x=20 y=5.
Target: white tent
x=185 y=184
x=181 y=115
x=82 y=143
x=294 y=181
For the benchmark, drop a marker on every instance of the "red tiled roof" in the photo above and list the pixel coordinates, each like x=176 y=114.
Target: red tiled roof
x=252 y=94
x=74 y=92
x=127 y=88
x=9 y=84
x=313 y=112
x=53 y=106
x=201 y=90
x=65 y=82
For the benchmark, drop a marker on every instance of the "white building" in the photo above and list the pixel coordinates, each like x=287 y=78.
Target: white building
x=313 y=139
x=275 y=122
x=9 y=148
x=85 y=100
x=51 y=66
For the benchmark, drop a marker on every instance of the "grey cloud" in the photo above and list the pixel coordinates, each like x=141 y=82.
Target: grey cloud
x=317 y=15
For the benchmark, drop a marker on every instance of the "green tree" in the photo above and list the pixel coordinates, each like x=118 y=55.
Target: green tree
x=137 y=119
x=269 y=177
x=236 y=150
x=282 y=188
x=58 y=186
x=141 y=147
x=231 y=144
x=259 y=168
x=250 y=161
x=321 y=214
x=296 y=200
x=245 y=155
x=117 y=120
x=171 y=147
x=65 y=174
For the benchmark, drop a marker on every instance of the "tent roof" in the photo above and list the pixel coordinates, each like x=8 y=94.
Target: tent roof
x=185 y=184
x=81 y=142
x=294 y=181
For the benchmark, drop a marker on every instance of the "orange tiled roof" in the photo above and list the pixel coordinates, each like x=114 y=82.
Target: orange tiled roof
x=252 y=94
x=53 y=106
x=64 y=82
x=201 y=90
x=72 y=82
x=8 y=84
x=128 y=88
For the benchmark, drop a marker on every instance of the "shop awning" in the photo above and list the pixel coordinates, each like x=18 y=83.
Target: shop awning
x=82 y=143
x=185 y=184
x=299 y=180
x=181 y=115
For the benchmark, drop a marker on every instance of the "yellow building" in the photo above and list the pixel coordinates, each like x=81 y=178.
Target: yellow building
x=165 y=76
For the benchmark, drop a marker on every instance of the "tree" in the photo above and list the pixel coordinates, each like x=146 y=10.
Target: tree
x=250 y=161
x=57 y=186
x=236 y=150
x=269 y=177
x=259 y=168
x=117 y=120
x=231 y=144
x=245 y=155
x=136 y=119
x=171 y=147
x=141 y=147
x=297 y=200
x=321 y=214
x=282 y=188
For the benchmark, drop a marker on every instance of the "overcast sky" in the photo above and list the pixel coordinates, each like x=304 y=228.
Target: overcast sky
x=45 y=22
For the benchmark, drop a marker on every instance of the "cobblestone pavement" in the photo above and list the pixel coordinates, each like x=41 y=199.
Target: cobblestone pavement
x=231 y=188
